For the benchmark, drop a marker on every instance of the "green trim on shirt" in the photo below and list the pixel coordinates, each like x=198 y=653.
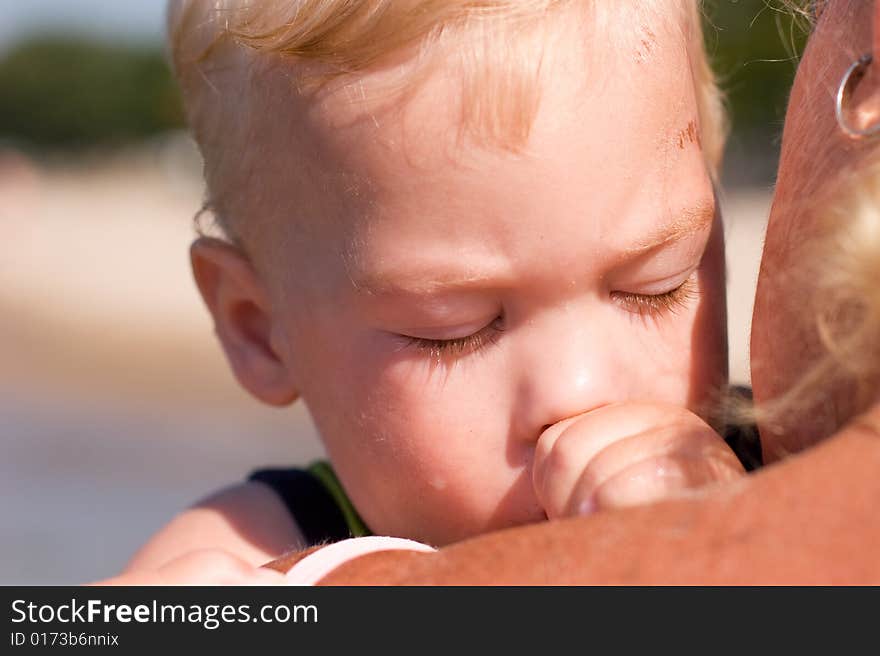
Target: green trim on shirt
x=323 y=471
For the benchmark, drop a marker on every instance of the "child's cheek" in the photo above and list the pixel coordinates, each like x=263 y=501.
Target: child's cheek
x=708 y=341
x=681 y=358
x=443 y=433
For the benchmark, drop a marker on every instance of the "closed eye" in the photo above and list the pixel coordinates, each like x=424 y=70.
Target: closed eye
x=458 y=346
x=656 y=305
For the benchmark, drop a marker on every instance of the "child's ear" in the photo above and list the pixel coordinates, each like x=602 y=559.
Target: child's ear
x=243 y=320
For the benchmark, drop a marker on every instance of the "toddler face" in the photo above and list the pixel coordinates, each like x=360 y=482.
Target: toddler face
x=439 y=303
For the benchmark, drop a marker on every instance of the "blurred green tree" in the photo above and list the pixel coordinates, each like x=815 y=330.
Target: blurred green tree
x=63 y=93
x=755 y=46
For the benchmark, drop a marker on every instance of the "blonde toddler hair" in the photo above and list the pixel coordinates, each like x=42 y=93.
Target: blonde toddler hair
x=217 y=47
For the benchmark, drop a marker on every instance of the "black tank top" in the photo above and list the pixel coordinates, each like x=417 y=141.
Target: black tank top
x=311 y=504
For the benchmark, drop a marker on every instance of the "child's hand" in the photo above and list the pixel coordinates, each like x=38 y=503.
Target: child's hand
x=627 y=454
x=204 y=567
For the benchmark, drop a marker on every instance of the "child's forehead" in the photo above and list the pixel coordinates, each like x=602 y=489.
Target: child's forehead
x=400 y=175
x=364 y=139
x=413 y=100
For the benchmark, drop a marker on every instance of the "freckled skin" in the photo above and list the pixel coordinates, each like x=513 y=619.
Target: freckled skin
x=785 y=341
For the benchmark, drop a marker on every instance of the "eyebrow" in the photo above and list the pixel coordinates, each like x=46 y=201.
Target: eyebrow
x=688 y=222
x=416 y=283
x=425 y=281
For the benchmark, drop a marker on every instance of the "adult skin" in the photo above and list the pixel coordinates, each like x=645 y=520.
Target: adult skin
x=809 y=518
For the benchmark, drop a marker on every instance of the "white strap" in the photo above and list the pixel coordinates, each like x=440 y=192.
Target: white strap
x=320 y=563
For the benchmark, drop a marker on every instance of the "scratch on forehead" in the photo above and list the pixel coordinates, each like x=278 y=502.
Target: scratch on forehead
x=647 y=44
x=689 y=135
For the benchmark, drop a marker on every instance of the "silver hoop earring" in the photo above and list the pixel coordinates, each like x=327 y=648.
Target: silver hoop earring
x=859 y=67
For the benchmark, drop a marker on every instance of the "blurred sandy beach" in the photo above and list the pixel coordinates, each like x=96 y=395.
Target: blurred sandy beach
x=116 y=407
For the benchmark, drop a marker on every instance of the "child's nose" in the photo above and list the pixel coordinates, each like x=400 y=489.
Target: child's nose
x=576 y=372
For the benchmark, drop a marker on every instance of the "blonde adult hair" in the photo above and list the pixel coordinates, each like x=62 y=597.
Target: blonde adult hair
x=217 y=46
x=839 y=261
x=835 y=256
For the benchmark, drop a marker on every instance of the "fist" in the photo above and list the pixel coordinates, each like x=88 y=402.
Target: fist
x=627 y=454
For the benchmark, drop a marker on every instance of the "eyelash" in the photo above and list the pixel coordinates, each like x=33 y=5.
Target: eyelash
x=644 y=305
x=656 y=305
x=453 y=348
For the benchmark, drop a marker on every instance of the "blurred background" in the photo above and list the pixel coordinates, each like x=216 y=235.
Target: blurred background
x=116 y=407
